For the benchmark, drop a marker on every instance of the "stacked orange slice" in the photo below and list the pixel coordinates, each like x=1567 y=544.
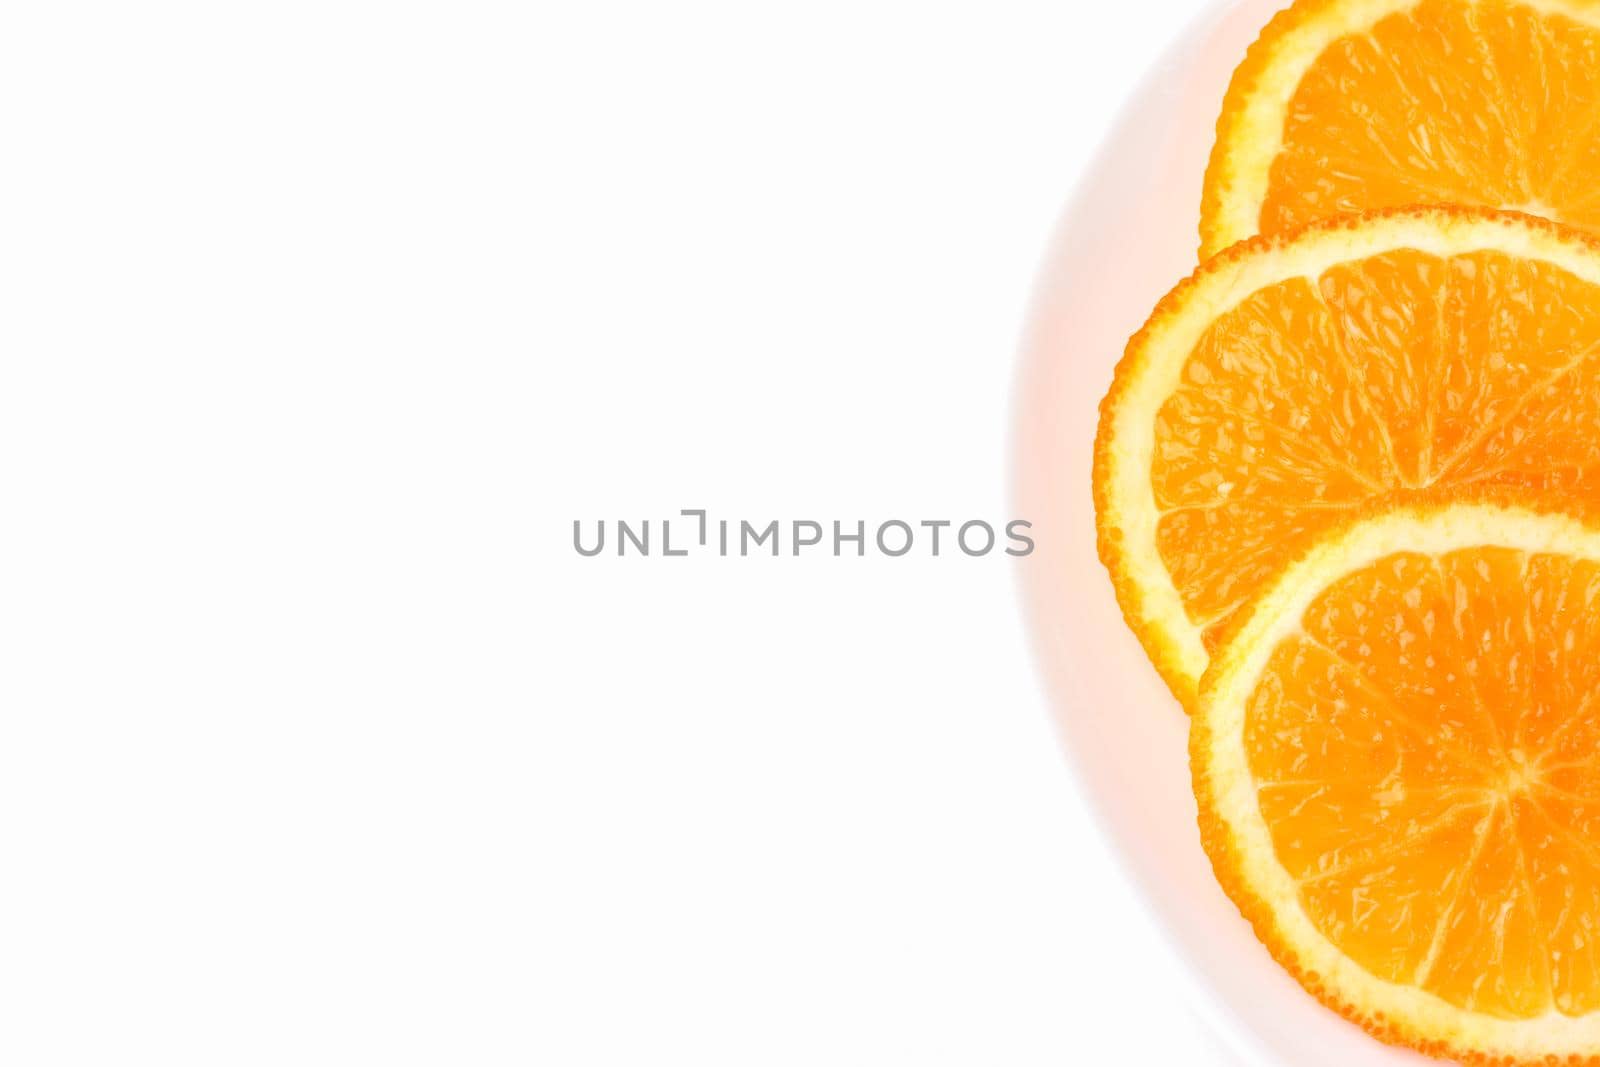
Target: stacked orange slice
x=1396 y=762
x=1345 y=482
x=1347 y=105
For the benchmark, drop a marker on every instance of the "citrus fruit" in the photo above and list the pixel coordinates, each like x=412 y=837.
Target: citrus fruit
x=1397 y=762
x=1350 y=105
x=1294 y=379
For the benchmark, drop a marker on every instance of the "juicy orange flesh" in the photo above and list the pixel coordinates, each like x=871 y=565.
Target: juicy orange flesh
x=1385 y=377
x=1488 y=103
x=1426 y=749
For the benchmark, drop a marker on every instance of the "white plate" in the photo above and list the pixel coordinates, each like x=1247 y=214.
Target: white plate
x=1127 y=236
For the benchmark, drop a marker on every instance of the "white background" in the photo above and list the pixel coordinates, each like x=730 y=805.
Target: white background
x=321 y=323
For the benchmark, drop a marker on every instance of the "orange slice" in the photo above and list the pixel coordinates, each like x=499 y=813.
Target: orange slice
x=1350 y=105
x=1294 y=380
x=1397 y=761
